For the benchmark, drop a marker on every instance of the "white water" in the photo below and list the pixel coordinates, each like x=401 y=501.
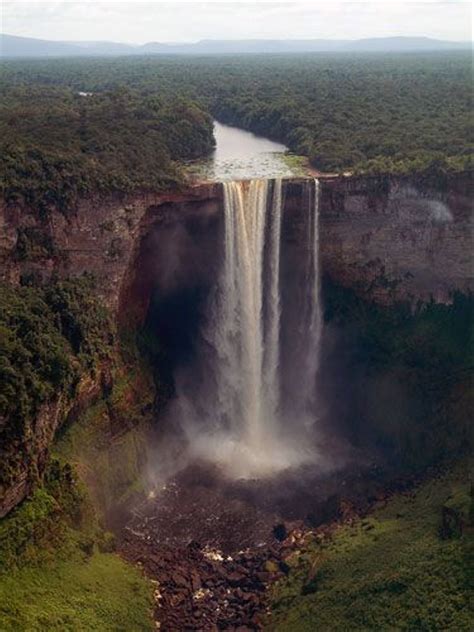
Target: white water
x=272 y=338
x=249 y=435
x=313 y=328
x=245 y=228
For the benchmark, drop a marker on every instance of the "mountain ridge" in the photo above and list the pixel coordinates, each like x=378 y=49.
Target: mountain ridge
x=13 y=46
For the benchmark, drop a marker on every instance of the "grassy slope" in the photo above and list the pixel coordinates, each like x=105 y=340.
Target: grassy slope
x=390 y=571
x=100 y=592
x=57 y=571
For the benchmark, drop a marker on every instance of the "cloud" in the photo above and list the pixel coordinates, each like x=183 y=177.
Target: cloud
x=137 y=21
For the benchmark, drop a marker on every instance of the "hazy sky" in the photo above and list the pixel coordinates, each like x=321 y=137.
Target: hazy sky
x=140 y=22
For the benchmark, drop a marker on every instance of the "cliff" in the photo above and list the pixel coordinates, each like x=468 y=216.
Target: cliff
x=27 y=456
x=98 y=237
x=389 y=239
x=399 y=238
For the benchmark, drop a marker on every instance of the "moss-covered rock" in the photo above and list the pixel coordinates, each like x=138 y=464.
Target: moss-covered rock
x=109 y=443
x=457 y=513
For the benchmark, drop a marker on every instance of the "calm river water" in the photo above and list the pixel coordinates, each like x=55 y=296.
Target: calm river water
x=240 y=155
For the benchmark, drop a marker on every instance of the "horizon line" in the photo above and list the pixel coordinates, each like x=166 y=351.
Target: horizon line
x=242 y=39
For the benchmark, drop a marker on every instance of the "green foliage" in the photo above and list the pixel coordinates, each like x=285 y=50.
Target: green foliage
x=390 y=571
x=76 y=595
x=33 y=354
x=57 y=145
x=49 y=337
x=47 y=521
x=81 y=318
x=432 y=163
x=369 y=113
x=33 y=243
x=377 y=113
x=412 y=369
x=55 y=569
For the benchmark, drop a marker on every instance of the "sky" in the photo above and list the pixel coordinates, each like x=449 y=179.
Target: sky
x=140 y=22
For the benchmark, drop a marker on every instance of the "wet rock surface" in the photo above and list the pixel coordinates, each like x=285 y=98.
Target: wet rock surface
x=213 y=547
x=197 y=588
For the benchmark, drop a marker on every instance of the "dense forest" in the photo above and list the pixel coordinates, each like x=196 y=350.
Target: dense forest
x=58 y=144
x=376 y=113
x=50 y=336
x=388 y=113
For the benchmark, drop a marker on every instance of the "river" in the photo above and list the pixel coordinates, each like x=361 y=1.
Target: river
x=241 y=155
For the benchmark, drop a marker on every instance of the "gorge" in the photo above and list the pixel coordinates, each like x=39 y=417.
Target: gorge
x=252 y=305
x=386 y=238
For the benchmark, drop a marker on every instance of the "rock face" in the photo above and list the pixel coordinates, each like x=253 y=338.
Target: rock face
x=399 y=238
x=100 y=237
x=389 y=238
x=176 y=247
x=34 y=451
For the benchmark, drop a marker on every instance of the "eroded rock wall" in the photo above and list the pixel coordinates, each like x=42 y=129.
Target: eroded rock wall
x=399 y=238
x=100 y=236
x=389 y=238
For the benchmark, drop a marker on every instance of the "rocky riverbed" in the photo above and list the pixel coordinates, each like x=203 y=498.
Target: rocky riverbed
x=213 y=546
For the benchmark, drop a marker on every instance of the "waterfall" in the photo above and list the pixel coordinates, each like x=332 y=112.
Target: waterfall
x=314 y=319
x=272 y=337
x=240 y=322
x=244 y=331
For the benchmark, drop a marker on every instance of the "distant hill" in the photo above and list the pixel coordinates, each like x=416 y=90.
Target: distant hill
x=404 y=44
x=14 y=46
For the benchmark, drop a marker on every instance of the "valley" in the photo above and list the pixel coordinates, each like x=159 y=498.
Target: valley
x=229 y=386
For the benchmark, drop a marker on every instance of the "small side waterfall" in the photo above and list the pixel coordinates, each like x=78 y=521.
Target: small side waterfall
x=244 y=331
x=272 y=331
x=312 y=328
